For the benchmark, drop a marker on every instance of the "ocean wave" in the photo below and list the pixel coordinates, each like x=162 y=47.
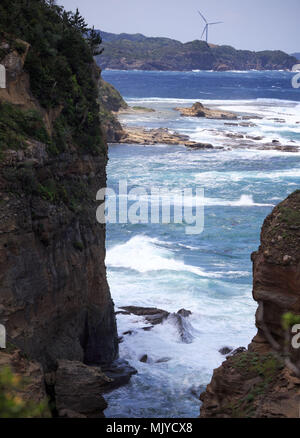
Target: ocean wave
x=243 y=201
x=144 y=254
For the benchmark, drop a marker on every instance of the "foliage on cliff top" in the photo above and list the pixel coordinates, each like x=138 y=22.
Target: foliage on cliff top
x=280 y=237
x=138 y=51
x=61 y=67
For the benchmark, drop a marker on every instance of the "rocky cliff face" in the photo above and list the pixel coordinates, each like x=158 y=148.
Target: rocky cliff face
x=54 y=298
x=264 y=381
x=110 y=101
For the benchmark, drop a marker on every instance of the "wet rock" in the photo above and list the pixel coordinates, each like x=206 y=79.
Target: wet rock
x=255 y=138
x=163 y=360
x=137 y=135
x=234 y=135
x=153 y=315
x=144 y=358
x=225 y=350
x=183 y=326
x=193 y=145
x=185 y=313
x=128 y=332
x=148 y=328
x=247 y=124
x=237 y=351
x=120 y=372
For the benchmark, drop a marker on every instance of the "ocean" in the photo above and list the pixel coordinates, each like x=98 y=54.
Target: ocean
x=210 y=274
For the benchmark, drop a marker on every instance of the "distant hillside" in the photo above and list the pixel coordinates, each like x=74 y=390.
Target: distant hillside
x=130 y=52
x=296 y=55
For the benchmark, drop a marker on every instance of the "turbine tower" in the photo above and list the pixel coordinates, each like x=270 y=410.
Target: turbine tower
x=207 y=24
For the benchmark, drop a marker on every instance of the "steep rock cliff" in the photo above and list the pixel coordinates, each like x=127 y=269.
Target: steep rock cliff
x=55 y=302
x=265 y=381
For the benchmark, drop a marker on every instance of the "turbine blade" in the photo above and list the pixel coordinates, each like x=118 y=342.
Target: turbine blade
x=202 y=17
x=203 y=31
x=217 y=22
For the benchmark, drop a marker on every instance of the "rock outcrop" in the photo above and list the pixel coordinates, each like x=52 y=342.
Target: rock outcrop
x=78 y=390
x=199 y=110
x=264 y=381
x=110 y=102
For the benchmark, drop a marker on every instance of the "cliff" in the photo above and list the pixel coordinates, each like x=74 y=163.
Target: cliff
x=137 y=52
x=264 y=381
x=55 y=302
x=110 y=102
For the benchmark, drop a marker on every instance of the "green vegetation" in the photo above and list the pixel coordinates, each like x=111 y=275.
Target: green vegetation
x=253 y=366
x=61 y=68
x=289 y=319
x=69 y=192
x=142 y=108
x=127 y=51
x=289 y=215
x=16 y=126
x=12 y=405
x=110 y=98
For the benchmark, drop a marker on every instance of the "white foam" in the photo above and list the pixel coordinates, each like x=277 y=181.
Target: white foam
x=145 y=254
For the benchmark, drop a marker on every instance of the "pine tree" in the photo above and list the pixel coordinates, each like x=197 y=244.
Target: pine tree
x=94 y=40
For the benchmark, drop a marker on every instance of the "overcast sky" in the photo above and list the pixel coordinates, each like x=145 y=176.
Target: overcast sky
x=253 y=24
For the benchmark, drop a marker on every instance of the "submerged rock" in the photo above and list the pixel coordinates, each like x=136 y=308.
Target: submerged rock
x=163 y=360
x=144 y=358
x=152 y=314
x=194 y=145
x=183 y=326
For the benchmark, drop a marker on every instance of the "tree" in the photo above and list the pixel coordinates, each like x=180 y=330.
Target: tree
x=94 y=40
x=78 y=22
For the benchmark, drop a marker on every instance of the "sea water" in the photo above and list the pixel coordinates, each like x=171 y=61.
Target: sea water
x=209 y=274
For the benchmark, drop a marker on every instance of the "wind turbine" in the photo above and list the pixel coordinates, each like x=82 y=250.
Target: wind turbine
x=205 y=30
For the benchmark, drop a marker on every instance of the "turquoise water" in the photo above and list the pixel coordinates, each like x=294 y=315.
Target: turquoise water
x=209 y=274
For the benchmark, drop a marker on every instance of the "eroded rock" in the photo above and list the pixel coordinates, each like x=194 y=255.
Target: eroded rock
x=199 y=110
x=78 y=389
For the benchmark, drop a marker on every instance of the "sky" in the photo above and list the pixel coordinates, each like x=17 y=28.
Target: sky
x=252 y=25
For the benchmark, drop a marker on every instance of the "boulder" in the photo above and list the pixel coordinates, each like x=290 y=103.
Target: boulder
x=78 y=388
